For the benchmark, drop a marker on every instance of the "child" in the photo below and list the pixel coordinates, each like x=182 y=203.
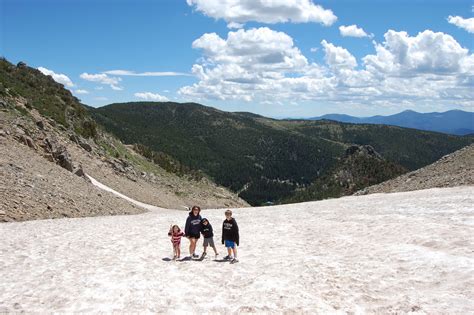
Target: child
x=230 y=236
x=208 y=234
x=176 y=234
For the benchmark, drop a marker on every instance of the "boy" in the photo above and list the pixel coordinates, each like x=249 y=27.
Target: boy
x=230 y=236
x=208 y=234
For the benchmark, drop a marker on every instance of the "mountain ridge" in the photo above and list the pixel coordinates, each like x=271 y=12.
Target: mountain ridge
x=264 y=159
x=456 y=121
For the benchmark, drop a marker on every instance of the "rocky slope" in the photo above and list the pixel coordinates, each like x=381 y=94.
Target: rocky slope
x=44 y=161
x=360 y=167
x=455 y=169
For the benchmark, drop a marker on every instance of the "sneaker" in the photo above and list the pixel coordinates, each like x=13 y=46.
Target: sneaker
x=233 y=261
x=195 y=255
x=227 y=257
x=203 y=255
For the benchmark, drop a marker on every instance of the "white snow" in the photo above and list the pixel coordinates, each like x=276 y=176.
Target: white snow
x=384 y=253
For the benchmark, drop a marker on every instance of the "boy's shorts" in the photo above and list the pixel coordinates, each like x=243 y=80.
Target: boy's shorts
x=209 y=241
x=229 y=244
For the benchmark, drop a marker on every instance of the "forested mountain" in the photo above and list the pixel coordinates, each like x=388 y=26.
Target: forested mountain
x=456 y=122
x=264 y=160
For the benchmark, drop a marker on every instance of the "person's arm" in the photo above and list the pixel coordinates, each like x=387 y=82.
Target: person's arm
x=186 y=227
x=222 y=238
x=236 y=233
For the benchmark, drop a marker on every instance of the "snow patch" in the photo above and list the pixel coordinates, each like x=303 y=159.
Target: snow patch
x=384 y=253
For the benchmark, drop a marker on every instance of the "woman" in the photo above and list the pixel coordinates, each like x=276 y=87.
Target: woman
x=192 y=230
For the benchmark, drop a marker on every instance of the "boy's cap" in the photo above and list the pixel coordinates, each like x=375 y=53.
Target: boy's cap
x=204 y=220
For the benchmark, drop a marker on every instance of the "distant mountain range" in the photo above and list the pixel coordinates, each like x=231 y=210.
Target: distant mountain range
x=456 y=122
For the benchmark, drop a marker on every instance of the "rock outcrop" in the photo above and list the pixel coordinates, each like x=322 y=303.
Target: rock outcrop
x=455 y=169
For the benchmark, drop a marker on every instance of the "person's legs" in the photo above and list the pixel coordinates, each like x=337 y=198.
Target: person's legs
x=235 y=251
x=215 y=249
x=205 y=248
x=178 y=251
x=192 y=246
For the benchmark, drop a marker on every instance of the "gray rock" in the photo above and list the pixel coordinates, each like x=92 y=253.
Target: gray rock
x=40 y=124
x=80 y=172
x=28 y=141
x=86 y=146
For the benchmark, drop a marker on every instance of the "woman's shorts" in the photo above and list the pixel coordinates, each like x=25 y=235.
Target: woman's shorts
x=209 y=241
x=229 y=244
x=192 y=235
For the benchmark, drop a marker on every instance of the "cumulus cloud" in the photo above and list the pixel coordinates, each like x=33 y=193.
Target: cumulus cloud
x=265 y=66
x=352 y=31
x=238 y=12
x=58 y=77
x=79 y=91
x=145 y=74
x=151 y=96
x=247 y=58
x=104 y=79
x=338 y=57
x=427 y=52
x=466 y=24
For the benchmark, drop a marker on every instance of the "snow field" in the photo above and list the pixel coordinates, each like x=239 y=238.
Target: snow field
x=383 y=253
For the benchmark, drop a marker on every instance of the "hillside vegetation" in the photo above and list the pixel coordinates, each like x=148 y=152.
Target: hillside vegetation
x=262 y=159
x=49 y=142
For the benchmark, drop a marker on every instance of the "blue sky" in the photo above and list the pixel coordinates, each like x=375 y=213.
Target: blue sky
x=290 y=60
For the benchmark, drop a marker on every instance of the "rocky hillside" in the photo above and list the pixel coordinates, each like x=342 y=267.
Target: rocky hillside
x=360 y=167
x=455 y=169
x=45 y=158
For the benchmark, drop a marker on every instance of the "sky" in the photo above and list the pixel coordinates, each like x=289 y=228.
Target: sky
x=278 y=58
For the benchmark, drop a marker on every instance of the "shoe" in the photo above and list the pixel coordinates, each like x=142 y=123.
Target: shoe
x=195 y=256
x=203 y=255
x=227 y=257
x=233 y=261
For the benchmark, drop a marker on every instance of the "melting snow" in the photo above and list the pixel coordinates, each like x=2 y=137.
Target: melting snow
x=384 y=253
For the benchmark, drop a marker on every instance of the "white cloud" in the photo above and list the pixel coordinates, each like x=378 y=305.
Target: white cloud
x=238 y=12
x=101 y=98
x=58 y=77
x=352 y=31
x=338 y=57
x=151 y=96
x=246 y=59
x=264 y=66
x=467 y=24
x=103 y=78
x=427 y=52
x=81 y=91
x=145 y=74
x=314 y=49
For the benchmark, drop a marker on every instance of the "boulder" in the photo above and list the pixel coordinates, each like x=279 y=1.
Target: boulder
x=28 y=141
x=80 y=172
x=64 y=160
x=86 y=146
x=40 y=124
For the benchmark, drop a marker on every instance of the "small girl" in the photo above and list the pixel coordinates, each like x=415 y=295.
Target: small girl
x=176 y=234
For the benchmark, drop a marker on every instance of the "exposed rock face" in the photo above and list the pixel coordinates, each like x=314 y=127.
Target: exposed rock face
x=367 y=150
x=455 y=169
